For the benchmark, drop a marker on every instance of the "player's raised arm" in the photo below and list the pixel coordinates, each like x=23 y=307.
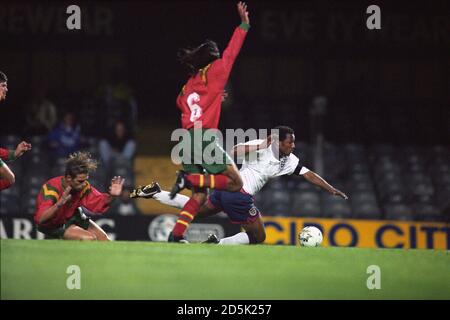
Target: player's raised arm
x=237 y=40
x=314 y=178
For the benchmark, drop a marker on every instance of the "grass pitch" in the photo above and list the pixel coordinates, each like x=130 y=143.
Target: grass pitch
x=33 y=269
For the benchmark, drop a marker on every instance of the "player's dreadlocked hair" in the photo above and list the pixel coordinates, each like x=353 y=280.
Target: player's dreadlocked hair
x=80 y=163
x=199 y=57
x=3 y=77
x=284 y=131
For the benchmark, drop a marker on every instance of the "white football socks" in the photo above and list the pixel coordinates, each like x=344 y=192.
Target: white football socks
x=178 y=202
x=240 y=238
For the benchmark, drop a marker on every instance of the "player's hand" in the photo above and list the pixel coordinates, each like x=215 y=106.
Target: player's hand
x=243 y=13
x=336 y=192
x=115 y=189
x=22 y=148
x=66 y=196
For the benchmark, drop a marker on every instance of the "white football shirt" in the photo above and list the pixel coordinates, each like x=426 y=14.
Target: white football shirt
x=261 y=165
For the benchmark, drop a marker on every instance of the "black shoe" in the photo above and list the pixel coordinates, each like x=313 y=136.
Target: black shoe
x=146 y=192
x=180 y=183
x=172 y=238
x=212 y=238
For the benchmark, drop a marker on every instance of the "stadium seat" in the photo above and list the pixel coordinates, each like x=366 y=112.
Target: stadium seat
x=306 y=209
x=365 y=210
x=337 y=209
x=427 y=212
x=277 y=209
x=35 y=179
x=29 y=205
x=305 y=186
x=363 y=197
x=303 y=196
x=37 y=141
x=275 y=184
x=398 y=212
x=9 y=204
x=280 y=196
x=10 y=141
x=360 y=186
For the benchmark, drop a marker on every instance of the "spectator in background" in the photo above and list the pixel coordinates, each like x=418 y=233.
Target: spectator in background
x=41 y=116
x=65 y=138
x=119 y=143
x=124 y=205
x=117 y=100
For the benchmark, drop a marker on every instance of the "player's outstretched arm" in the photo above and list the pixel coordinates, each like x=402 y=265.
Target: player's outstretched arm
x=235 y=44
x=314 y=178
x=242 y=149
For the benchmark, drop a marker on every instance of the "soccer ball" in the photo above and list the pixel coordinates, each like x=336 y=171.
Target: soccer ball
x=310 y=237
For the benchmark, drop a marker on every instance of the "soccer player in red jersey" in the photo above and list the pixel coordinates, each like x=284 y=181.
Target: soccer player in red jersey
x=58 y=208
x=200 y=103
x=7 y=177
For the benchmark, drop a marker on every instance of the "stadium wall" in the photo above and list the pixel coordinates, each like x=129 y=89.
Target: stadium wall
x=362 y=233
x=280 y=230
x=139 y=228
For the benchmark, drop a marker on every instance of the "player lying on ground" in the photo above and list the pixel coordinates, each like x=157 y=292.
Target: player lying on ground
x=7 y=177
x=239 y=206
x=58 y=210
x=200 y=104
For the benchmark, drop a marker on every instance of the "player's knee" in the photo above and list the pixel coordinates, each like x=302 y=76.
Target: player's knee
x=236 y=184
x=200 y=197
x=256 y=237
x=261 y=236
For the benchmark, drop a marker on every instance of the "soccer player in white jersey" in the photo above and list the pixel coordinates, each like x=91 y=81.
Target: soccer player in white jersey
x=274 y=158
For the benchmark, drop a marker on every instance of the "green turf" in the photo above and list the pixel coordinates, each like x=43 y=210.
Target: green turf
x=32 y=269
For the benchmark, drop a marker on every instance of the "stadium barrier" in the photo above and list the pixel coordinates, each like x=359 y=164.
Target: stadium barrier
x=362 y=233
x=280 y=230
x=140 y=228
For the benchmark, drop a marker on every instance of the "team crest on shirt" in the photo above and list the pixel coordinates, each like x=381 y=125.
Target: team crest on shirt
x=283 y=162
x=253 y=211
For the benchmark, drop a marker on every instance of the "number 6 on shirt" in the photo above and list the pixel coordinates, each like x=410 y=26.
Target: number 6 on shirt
x=196 y=110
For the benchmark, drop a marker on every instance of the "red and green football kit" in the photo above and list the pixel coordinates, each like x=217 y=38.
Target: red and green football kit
x=52 y=190
x=200 y=102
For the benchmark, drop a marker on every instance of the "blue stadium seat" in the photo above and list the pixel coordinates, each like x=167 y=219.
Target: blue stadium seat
x=306 y=209
x=427 y=212
x=10 y=141
x=366 y=210
x=398 y=212
x=338 y=209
